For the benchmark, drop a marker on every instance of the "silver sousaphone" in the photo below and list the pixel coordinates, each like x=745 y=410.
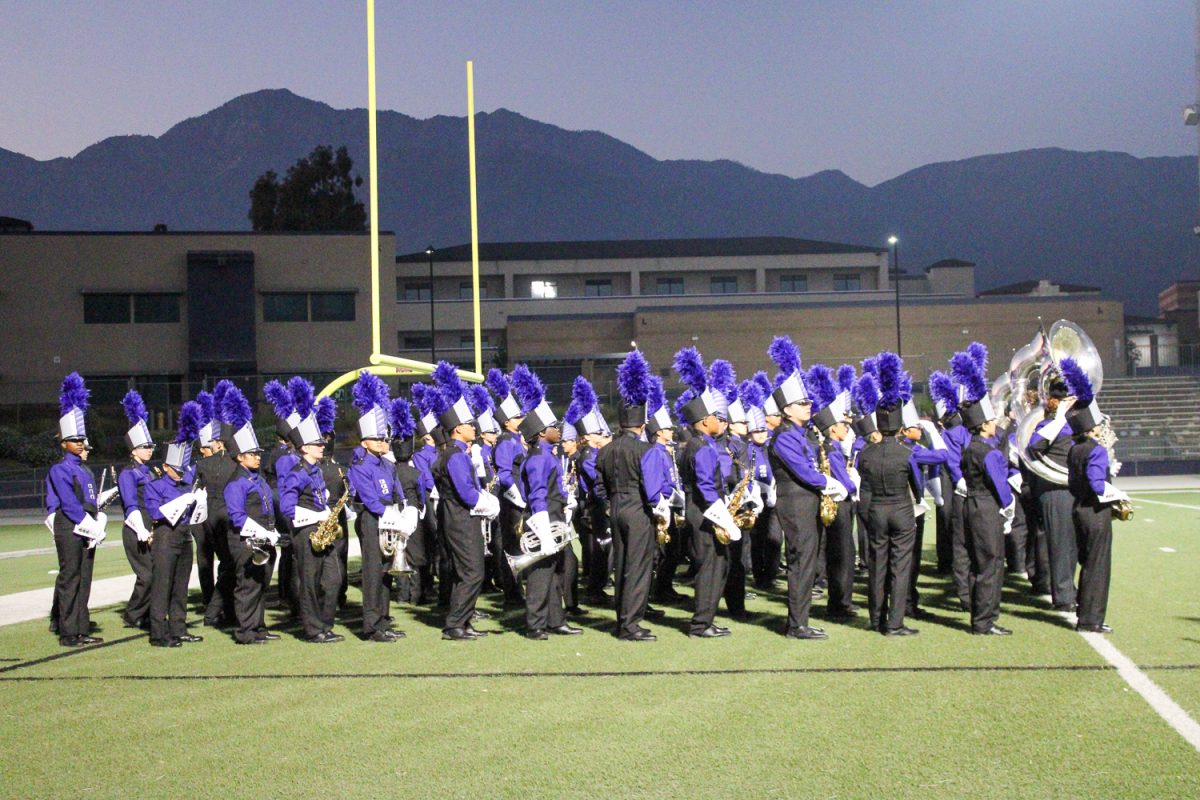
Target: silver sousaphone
x=1065 y=340
x=534 y=550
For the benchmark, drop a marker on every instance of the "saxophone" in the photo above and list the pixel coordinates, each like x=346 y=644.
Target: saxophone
x=744 y=519
x=1122 y=509
x=330 y=529
x=829 y=506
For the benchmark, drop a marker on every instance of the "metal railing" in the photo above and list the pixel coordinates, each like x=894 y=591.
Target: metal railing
x=1163 y=359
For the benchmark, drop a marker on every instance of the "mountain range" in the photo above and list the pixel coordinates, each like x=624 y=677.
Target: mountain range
x=1105 y=219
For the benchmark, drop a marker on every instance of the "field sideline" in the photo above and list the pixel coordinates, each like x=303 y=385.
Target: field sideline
x=943 y=714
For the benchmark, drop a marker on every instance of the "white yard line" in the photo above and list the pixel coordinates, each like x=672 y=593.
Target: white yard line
x=1165 y=503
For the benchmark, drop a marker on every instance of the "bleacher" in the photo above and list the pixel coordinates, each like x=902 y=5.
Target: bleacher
x=1156 y=418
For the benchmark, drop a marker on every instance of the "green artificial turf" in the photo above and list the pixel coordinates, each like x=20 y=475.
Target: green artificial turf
x=943 y=714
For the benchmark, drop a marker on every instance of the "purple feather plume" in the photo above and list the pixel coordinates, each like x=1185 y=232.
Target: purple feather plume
x=496 y=381
x=722 y=378
x=279 y=398
x=189 y=422
x=135 y=409
x=208 y=407
x=690 y=367
x=422 y=394
x=369 y=391
x=219 y=391
x=819 y=382
x=401 y=418
x=681 y=401
x=445 y=375
x=1078 y=382
x=941 y=388
x=751 y=393
x=235 y=408
x=326 y=414
x=891 y=383
x=583 y=400
x=966 y=373
x=527 y=388
x=979 y=354
x=304 y=397
x=479 y=400
x=764 y=383
x=73 y=395
x=633 y=375
x=656 y=396
x=865 y=394
x=786 y=356
x=870 y=366
x=845 y=378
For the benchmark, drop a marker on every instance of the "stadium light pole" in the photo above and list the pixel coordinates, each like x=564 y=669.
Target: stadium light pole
x=432 y=346
x=895 y=244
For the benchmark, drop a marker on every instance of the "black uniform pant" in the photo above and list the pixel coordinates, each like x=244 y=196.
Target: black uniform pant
x=570 y=587
x=1014 y=544
x=544 y=593
x=861 y=535
x=73 y=585
x=341 y=546
x=735 y=577
x=205 y=561
x=289 y=583
x=465 y=546
x=598 y=547
x=1037 y=553
x=1093 y=530
x=914 y=574
x=171 y=554
x=712 y=566
x=320 y=577
x=376 y=596
x=766 y=543
x=839 y=560
x=510 y=518
x=667 y=560
x=985 y=545
x=633 y=546
x=1055 y=509
x=945 y=524
x=892 y=530
x=961 y=565
x=250 y=588
x=220 y=605
x=137 y=609
x=799 y=517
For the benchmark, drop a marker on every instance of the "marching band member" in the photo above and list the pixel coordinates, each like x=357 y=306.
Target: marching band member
x=75 y=519
x=135 y=533
x=488 y=430
x=636 y=478
x=957 y=436
x=414 y=485
x=1090 y=474
x=252 y=536
x=304 y=501
x=799 y=486
x=463 y=505
x=428 y=552
x=507 y=457
x=1052 y=441
x=711 y=525
x=732 y=449
x=276 y=463
x=373 y=482
x=989 y=505
x=829 y=418
x=921 y=460
x=169 y=502
x=214 y=470
x=335 y=482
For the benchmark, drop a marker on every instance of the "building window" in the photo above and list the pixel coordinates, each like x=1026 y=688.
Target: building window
x=332 y=306
x=465 y=291
x=285 y=307
x=156 y=308
x=723 y=284
x=793 y=283
x=416 y=342
x=668 y=286
x=103 y=309
x=544 y=290
x=847 y=283
x=416 y=291
x=467 y=342
x=597 y=287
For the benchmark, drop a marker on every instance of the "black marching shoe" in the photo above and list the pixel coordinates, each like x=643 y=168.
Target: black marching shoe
x=642 y=635
x=576 y=611
x=85 y=639
x=480 y=615
x=165 y=643
x=476 y=633
x=189 y=637
x=903 y=630
x=324 y=637
x=538 y=635
x=381 y=636
x=458 y=635
x=841 y=613
x=995 y=630
x=566 y=630
x=1101 y=628
x=70 y=641
x=255 y=640
x=270 y=637
x=919 y=613
x=654 y=613
x=711 y=632
x=807 y=632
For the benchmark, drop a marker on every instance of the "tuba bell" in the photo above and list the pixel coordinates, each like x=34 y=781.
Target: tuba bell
x=394 y=545
x=259 y=554
x=534 y=550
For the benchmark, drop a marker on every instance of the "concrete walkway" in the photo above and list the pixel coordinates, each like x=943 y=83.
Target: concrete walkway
x=35 y=604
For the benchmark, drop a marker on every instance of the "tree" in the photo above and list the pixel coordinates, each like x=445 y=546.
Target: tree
x=317 y=194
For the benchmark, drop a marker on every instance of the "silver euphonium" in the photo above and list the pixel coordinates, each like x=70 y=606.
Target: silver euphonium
x=394 y=545
x=533 y=549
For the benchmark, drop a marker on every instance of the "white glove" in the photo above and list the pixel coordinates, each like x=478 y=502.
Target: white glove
x=389 y=456
x=935 y=436
x=754 y=498
x=200 y=512
x=477 y=461
x=539 y=523
x=835 y=489
x=252 y=530
x=351 y=515
x=772 y=496
x=89 y=527
x=960 y=488
x=306 y=516
x=919 y=507
x=50 y=521
x=847 y=445
x=513 y=495
x=102 y=524
x=487 y=506
x=409 y=517
x=662 y=509
x=719 y=515
x=1015 y=481
x=1114 y=467
x=855 y=478
x=572 y=502
x=106 y=496
x=1112 y=494
x=935 y=489
x=137 y=525
x=389 y=520
x=173 y=510
x=1009 y=512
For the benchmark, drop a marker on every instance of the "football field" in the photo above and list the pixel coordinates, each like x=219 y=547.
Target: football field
x=945 y=714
